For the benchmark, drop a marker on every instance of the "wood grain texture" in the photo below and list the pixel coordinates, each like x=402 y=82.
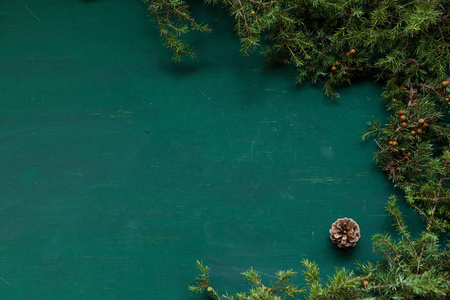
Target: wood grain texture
x=120 y=168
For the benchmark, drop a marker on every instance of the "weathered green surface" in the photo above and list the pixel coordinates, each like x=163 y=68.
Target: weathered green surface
x=120 y=168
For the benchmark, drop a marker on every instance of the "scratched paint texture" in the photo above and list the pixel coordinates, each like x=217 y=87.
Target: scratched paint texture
x=120 y=168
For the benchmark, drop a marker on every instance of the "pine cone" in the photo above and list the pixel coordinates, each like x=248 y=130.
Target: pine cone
x=345 y=233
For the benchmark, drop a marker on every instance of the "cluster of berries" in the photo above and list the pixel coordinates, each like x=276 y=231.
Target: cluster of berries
x=419 y=128
x=415 y=128
x=334 y=68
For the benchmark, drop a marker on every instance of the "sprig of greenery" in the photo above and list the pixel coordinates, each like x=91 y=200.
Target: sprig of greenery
x=174 y=19
x=283 y=287
x=411 y=267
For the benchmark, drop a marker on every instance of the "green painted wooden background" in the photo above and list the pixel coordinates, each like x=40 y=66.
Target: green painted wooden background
x=120 y=168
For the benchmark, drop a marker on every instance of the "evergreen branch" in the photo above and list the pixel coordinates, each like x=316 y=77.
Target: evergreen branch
x=374 y=129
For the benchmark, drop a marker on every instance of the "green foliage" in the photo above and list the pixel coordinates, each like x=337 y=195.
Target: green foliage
x=283 y=287
x=174 y=19
x=342 y=285
x=411 y=267
x=405 y=45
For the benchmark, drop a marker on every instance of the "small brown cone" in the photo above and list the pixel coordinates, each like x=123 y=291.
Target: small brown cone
x=345 y=233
